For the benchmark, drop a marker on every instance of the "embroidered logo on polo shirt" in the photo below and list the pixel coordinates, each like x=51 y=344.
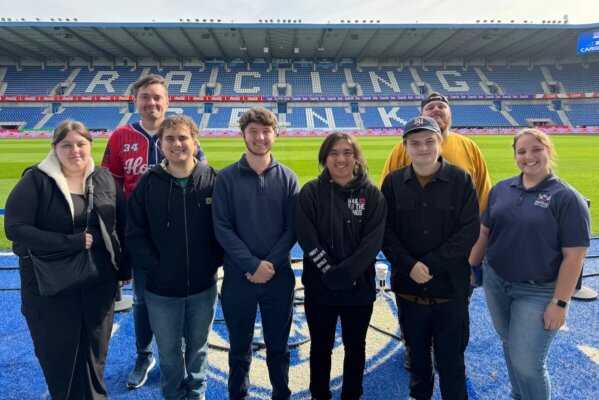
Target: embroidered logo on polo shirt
x=543 y=200
x=357 y=205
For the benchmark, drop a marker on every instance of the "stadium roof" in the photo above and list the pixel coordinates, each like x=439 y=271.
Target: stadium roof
x=500 y=42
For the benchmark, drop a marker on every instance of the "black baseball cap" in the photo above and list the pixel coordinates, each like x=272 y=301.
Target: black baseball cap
x=433 y=97
x=420 y=123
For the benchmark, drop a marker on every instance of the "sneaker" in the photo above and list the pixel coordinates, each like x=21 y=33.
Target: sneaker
x=138 y=377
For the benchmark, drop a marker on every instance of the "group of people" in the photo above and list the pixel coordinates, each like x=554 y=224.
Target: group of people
x=173 y=220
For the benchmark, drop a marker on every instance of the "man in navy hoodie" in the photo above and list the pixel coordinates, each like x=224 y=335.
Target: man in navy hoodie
x=253 y=210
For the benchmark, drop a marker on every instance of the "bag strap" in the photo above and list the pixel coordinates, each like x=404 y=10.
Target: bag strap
x=90 y=201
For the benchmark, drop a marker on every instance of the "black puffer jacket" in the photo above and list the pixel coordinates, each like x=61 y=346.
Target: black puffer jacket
x=170 y=232
x=341 y=231
x=39 y=217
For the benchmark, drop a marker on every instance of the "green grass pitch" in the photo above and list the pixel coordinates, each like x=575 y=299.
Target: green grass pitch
x=578 y=160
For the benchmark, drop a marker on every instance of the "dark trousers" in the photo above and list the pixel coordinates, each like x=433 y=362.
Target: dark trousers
x=240 y=299
x=322 y=323
x=70 y=335
x=446 y=327
x=141 y=320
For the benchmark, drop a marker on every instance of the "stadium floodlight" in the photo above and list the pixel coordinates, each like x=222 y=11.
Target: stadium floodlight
x=296 y=50
x=266 y=49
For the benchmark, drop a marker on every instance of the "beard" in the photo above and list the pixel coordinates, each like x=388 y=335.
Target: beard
x=262 y=152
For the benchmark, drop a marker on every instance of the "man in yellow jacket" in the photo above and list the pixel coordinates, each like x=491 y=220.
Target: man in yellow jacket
x=457 y=149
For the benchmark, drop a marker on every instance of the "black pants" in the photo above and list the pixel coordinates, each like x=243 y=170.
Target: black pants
x=446 y=327
x=322 y=323
x=70 y=335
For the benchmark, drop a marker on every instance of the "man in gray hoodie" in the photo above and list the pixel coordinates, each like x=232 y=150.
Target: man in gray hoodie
x=253 y=211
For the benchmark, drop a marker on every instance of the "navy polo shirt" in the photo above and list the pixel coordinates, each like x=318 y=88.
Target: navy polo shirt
x=529 y=227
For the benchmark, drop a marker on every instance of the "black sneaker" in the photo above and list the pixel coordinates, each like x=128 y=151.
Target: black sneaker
x=138 y=377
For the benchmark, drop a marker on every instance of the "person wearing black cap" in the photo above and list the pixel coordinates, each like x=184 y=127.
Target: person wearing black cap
x=432 y=224
x=457 y=149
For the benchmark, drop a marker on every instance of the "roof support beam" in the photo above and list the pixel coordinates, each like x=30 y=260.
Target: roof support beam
x=342 y=44
x=365 y=47
x=71 y=49
x=220 y=47
x=192 y=44
x=91 y=44
x=391 y=45
x=17 y=53
x=122 y=48
x=440 y=45
x=167 y=44
x=142 y=44
x=32 y=43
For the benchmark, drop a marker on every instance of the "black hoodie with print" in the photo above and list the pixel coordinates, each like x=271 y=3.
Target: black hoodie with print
x=170 y=233
x=340 y=230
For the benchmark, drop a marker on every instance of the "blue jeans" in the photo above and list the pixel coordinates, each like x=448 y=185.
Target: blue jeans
x=141 y=321
x=182 y=376
x=239 y=300
x=517 y=310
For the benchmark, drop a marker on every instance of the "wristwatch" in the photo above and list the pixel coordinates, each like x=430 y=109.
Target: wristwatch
x=559 y=303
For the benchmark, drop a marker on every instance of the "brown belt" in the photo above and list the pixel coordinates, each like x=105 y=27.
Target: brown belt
x=423 y=300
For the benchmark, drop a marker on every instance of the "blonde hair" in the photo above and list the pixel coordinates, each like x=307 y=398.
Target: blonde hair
x=542 y=138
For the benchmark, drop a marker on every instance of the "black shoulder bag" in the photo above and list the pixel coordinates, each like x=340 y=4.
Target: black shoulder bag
x=63 y=270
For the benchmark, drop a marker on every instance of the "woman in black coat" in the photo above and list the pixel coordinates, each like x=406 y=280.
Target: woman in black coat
x=46 y=213
x=340 y=222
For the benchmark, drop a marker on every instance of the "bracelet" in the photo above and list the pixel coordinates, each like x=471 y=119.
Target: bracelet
x=559 y=303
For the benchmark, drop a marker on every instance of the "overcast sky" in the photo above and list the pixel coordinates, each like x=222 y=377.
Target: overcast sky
x=309 y=11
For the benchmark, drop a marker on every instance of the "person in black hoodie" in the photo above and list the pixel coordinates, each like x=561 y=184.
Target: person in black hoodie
x=340 y=226
x=170 y=235
x=431 y=227
x=46 y=213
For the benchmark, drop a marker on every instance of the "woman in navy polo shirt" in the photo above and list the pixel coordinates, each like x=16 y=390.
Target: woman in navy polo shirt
x=536 y=232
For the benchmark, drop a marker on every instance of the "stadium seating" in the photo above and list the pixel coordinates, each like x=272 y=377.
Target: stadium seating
x=584 y=114
x=33 y=81
x=29 y=115
x=477 y=115
x=523 y=113
x=93 y=117
x=516 y=79
x=308 y=79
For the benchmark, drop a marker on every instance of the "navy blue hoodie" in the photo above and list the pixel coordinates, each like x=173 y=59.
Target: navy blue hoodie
x=254 y=216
